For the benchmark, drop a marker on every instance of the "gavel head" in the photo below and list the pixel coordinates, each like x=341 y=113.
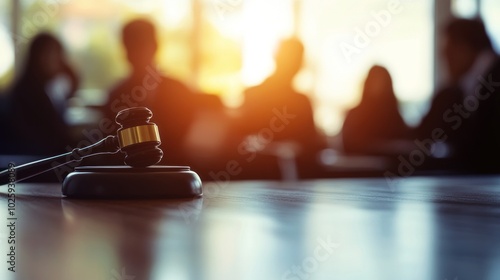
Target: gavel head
x=138 y=138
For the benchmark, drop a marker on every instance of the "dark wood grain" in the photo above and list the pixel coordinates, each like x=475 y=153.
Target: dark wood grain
x=420 y=228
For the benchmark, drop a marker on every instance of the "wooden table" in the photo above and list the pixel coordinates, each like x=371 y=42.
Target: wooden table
x=420 y=228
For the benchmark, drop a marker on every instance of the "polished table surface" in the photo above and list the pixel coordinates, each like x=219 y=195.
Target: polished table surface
x=419 y=228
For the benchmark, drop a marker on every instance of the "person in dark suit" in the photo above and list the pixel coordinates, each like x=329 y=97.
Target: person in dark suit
x=375 y=121
x=467 y=109
x=169 y=99
x=277 y=106
x=37 y=119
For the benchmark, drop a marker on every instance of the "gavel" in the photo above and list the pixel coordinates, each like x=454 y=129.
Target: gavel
x=139 y=140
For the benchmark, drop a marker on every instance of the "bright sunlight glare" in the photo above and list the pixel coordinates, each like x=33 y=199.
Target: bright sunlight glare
x=265 y=23
x=7 y=57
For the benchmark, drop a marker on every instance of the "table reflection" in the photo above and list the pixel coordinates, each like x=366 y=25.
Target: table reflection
x=347 y=229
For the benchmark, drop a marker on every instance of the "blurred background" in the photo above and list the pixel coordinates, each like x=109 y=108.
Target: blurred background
x=222 y=47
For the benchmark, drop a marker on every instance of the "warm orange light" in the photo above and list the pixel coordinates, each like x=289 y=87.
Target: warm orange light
x=265 y=23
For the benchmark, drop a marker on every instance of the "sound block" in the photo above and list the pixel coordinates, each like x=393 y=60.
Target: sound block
x=128 y=182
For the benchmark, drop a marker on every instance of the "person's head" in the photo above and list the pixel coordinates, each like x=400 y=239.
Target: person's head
x=45 y=58
x=465 y=39
x=139 y=40
x=378 y=88
x=289 y=58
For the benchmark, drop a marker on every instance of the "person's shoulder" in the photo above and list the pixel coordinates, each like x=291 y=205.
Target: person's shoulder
x=301 y=97
x=253 y=94
x=267 y=88
x=119 y=87
x=298 y=100
x=253 y=90
x=174 y=84
x=27 y=94
x=353 y=113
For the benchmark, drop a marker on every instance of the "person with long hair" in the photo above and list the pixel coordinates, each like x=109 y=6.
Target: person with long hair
x=376 y=120
x=37 y=120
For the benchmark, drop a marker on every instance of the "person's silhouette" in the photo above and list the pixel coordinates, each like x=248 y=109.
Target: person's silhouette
x=277 y=106
x=468 y=107
x=37 y=117
x=169 y=99
x=375 y=121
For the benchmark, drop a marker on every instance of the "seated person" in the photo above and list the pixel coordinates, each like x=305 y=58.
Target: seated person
x=38 y=125
x=467 y=109
x=169 y=99
x=276 y=105
x=375 y=121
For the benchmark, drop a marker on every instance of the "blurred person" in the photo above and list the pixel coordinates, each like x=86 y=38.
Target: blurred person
x=37 y=114
x=467 y=108
x=276 y=105
x=169 y=99
x=375 y=122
